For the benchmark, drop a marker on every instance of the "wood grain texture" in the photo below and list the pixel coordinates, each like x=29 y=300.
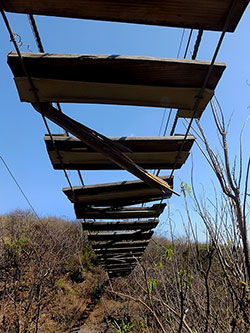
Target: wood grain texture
x=121 y=250
x=117 y=194
x=120 y=225
x=120 y=236
x=121 y=213
x=123 y=244
x=198 y=14
x=149 y=153
x=114 y=79
x=117 y=69
x=50 y=91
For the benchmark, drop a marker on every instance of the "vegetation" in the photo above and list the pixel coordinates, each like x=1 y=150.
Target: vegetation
x=50 y=280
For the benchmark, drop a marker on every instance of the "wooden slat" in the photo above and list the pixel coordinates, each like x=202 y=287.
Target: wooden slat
x=120 y=225
x=121 y=250
x=114 y=245
x=197 y=14
x=148 y=152
x=118 y=256
x=120 y=236
x=101 y=144
x=122 y=260
x=122 y=213
x=107 y=79
x=117 y=261
x=117 y=69
x=119 y=274
x=116 y=194
x=119 y=267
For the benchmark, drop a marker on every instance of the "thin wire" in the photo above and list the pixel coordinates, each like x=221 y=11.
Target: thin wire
x=19 y=186
x=196 y=48
x=199 y=97
x=171 y=110
x=180 y=46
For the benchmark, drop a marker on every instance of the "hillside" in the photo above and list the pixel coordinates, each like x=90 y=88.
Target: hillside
x=50 y=282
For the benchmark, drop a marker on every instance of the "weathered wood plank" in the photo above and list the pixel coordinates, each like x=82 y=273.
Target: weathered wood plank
x=133 y=143
x=148 y=152
x=120 y=225
x=101 y=144
x=121 y=213
x=114 y=245
x=108 y=93
x=125 y=250
x=119 y=267
x=118 y=256
x=108 y=79
x=122 y=260
x=117 y=69
x=120 y=236
x=116 y=194
x=197 y=14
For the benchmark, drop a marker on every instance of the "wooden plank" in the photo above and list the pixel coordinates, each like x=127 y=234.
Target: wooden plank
x=119 y=267
x=127 y=260
x=121 y=213
x=132 y=143
x=118 y=256
x=109 y=79
x=114 y=245
x=116 y=194
x=102 y=93
x=148 y=152
x=196 y=14
x=118 y=261
x=118 y=274
x=126 y=250
x=120 y=236
x=101 y=144
x=120 y=225
x=117 y=69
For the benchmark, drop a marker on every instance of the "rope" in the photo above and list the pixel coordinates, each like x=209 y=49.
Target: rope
x=41 y=49
x=197 y=44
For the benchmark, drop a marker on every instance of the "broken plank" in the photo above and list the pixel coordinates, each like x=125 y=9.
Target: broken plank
x=100 y=143
x=83 y=212
x=195 y=14
x=148 y=152
x=120 y=225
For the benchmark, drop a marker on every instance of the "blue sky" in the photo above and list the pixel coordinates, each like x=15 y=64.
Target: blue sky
x=22 y=129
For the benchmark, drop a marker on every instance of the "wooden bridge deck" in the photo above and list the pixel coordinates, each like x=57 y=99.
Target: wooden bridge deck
x=197 y=14
x=115 y=79
x=118 y=194
x=148 y=152
x=92 y=212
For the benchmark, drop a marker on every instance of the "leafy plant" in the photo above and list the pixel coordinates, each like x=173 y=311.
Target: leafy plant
x=122 y=326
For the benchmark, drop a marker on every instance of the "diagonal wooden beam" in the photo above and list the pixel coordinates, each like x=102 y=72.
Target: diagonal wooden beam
x=101 y=144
